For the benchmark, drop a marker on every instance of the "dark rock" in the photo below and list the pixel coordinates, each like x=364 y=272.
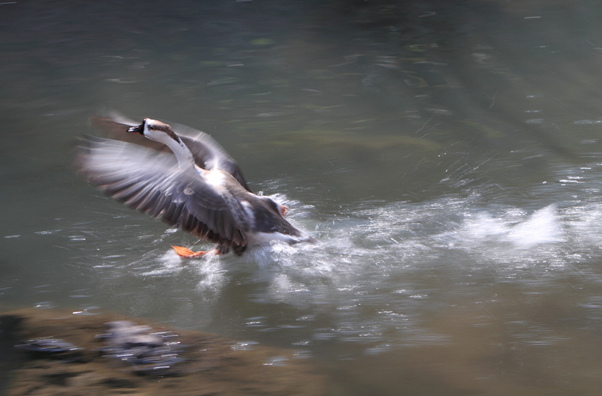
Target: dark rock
x=144 y=359
x=48 y=346
x=148 y=352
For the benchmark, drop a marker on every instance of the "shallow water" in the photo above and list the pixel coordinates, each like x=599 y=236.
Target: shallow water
x=447 y=158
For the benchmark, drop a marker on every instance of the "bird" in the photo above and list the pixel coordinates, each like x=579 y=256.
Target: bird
x=185 y=178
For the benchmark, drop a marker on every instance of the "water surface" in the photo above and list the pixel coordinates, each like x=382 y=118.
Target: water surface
x=446 y=156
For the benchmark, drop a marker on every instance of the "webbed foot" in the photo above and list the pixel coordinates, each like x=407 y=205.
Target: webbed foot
x=187 y=253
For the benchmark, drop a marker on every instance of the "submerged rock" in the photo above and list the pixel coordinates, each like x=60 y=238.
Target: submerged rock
x=50 y=347
x=148 y=352
x=113 y=352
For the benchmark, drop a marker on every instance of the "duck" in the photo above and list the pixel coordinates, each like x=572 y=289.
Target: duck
x=186 y=179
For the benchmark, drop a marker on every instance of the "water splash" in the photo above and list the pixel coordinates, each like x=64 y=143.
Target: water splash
x=542 y=227
x=512 y=228
x=377 y=268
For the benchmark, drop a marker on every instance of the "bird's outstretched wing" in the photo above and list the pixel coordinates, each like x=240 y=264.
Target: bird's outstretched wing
x=151 y=182
x=207 y=153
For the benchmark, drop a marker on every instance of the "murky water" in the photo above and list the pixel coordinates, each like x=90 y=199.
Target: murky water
x=446 y=156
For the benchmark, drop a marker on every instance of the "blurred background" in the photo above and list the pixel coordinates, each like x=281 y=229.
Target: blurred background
x=447 y=155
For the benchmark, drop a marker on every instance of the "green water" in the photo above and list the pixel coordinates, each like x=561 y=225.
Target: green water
x=446 y=155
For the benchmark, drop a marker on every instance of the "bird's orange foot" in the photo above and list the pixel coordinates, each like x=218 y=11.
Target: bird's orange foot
x=187 y=253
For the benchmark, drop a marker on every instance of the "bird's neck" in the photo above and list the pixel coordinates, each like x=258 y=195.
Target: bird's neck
x=181 y=151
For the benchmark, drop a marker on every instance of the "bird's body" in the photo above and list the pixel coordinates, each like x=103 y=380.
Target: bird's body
x=196 y=186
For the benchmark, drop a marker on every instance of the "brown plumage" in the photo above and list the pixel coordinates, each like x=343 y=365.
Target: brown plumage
x=194 y=185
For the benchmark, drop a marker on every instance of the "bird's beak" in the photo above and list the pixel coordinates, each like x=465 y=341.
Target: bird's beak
x=283 y=210
x=137 y=129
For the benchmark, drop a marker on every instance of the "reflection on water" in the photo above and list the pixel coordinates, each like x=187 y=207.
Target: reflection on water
x=446 y=156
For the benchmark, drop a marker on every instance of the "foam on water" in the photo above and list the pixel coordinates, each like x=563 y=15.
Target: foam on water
x=394 y=238
x=378 y=266
x=364 y=250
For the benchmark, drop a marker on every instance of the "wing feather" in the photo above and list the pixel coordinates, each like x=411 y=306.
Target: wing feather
x=152 y=182
x=208 y=153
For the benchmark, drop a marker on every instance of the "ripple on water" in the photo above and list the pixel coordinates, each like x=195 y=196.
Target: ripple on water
x=377 y=268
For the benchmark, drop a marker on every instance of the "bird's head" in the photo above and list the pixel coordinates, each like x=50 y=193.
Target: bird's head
x=276 y=207
x=154 y=130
